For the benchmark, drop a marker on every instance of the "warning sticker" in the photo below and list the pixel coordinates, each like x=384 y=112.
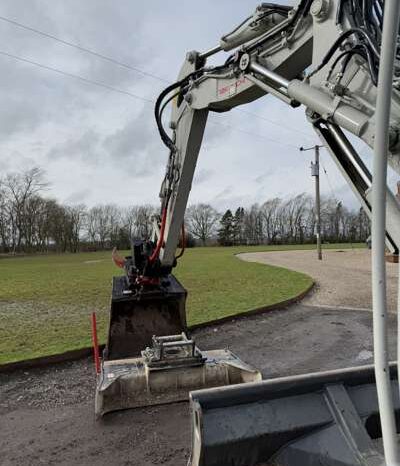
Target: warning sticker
x=231 y=89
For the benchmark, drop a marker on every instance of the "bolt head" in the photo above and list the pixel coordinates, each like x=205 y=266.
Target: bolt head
x=319 y=9
x=244 y=61
x=316 y=7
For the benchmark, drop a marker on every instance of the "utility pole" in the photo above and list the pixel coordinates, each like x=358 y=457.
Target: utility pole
x=315 y=174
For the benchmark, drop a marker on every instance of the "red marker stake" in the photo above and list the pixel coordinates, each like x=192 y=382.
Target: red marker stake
x=95 y=344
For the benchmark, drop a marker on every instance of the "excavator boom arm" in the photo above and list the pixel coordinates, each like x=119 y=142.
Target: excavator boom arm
x=314 y=55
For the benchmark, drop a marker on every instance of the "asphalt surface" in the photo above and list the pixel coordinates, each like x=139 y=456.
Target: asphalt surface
x=47 y=415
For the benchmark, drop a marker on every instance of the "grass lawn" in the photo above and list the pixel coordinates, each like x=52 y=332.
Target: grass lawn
x=45 y=301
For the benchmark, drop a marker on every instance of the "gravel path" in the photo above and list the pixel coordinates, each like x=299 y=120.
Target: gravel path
x=343 y=277
x=47 y=415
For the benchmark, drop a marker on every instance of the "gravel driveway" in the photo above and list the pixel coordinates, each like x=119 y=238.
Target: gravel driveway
x=47 y=415
x=343 y=277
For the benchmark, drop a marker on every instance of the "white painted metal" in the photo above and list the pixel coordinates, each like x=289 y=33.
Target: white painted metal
x=275 y=67
x=188 y=141
x=132 y=382
x=341 y=113
x=251 y=28
x=383 y=104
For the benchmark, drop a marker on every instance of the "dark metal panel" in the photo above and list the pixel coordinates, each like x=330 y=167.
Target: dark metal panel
x=310 y=420
x=134 y=319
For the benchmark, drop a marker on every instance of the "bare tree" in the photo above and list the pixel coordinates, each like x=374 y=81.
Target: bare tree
x=201 y=220
x=4 y=219
x=30 y=222
x=76 y=216
x=91 y=225
x=19 y=189
x=101 y=224
x=138 y=220
x=270 y=215
x=107 y=225
x=253 y=225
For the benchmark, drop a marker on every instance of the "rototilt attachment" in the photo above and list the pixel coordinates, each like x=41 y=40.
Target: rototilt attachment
x=165 y=373
x=321 y=419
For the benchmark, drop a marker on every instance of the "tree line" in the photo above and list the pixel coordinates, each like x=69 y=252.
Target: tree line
x=31 y=222
x=278 y=221
x=292 y=221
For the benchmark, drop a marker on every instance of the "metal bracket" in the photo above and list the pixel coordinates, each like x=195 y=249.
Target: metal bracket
x=172 y=351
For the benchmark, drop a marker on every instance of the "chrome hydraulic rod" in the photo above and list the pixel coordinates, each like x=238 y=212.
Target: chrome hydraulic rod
x=351 y=154
x=210 y=52
x=270 y=75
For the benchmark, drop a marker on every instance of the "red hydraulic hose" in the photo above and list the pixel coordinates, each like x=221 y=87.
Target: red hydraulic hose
x=160 y=242
x=183 y=242
x=117 y=259
x=95 y=344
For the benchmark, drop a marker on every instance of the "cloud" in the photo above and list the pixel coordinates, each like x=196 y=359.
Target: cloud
x=78 y=197
x=82 y=146
x=202 y=176
x=136 y=146
x=260 y=179
x=101 y=146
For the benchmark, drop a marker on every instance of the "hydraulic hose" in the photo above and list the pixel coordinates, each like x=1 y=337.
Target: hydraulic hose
x=183 y=242
x=379 y=186
x=160 y=241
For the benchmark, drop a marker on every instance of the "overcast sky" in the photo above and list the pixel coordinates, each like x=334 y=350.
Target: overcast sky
x=101 y=146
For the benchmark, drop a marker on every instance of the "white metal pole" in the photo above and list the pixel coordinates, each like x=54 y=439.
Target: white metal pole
x=379 y=184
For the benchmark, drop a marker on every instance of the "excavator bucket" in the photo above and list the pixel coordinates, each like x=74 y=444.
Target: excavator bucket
x=328 y=418
x=165 y=373
x=136 y=317
x=148 y=358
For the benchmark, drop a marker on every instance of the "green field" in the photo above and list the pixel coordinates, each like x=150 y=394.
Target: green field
x=45 y=301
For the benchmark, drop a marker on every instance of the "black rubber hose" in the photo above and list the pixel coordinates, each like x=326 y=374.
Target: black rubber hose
x=348 y=54
x=303 y=8
x=339 y=41
x=163 y=134
x=157 y=112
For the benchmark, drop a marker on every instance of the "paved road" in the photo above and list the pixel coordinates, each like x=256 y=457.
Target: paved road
x=47 y=416
x=343 y=277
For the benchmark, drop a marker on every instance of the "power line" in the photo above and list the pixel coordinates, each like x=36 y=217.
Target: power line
x=130 y=67
x=130 y=94
x=275 y=141
x=75 y=76
x=83 y=49
x=261 y=117
x=329 y=183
